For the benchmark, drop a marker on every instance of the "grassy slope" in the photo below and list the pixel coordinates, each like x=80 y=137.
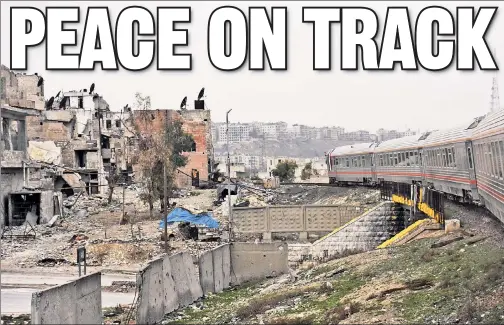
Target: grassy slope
x=409 y=284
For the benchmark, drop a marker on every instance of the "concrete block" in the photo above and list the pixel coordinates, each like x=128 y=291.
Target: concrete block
x=452 y=225
x=170 y=291
x=266 y=237
x=76 y=302
x=185 y=278
x=206 y=272
x=181 y=280
x=226 y=266
x=151 y=293
x=217 y=270
x=257 y=261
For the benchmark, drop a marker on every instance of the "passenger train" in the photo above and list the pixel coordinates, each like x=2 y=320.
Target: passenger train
x=466 y=163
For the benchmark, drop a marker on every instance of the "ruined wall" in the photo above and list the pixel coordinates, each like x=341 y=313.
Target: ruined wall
x=21 y=90
x=194 y=122
x=76 y=302
x=12 y=181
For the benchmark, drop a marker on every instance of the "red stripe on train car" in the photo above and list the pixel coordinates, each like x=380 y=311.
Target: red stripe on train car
x=435 y=176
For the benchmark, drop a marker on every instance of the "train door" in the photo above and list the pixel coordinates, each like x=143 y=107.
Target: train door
x=373 y=168
x=469 y=155
x=421 y=164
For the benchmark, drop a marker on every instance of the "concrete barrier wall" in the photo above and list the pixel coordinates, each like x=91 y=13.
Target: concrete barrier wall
x=172 y=282
x=77 y=302
x=166 y=284
x=288 y=218
x=251 y=261
x=215 y=269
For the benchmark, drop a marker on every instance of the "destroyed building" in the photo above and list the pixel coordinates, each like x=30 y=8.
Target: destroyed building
x=26 y=187
x=197 y=123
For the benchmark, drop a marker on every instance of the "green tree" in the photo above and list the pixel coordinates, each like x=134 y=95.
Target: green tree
x=285 y=170
x=158 y=150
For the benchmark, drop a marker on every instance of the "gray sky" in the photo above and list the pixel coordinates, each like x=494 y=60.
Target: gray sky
x=352 y=99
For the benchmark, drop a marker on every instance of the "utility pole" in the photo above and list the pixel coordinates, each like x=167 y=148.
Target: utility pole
x=165 y=194
x=2 y=208
x=230 y=228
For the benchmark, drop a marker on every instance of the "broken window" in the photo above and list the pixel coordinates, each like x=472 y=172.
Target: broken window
x=105 y=142
x=80 y=158
x=118 y=123
x=109 y=124
x=25 y=207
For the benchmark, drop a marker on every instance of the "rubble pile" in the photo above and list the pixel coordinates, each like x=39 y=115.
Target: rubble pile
x=88 y=221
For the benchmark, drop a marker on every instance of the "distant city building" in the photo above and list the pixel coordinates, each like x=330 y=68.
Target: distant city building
x=383 y=135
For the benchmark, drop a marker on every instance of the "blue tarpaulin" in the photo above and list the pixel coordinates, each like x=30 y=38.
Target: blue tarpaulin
x=183 y=215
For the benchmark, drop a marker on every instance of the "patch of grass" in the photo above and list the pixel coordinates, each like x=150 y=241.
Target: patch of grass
x=262 y=303
x=218 y=307
x=341 y=312
x=298 y=320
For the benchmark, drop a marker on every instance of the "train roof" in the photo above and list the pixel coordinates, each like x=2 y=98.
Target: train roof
x=456 y=134
x=408 y=142
x=489 y=124
x=358 y=148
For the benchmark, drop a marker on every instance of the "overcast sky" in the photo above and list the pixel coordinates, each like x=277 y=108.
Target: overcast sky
x=352 y=99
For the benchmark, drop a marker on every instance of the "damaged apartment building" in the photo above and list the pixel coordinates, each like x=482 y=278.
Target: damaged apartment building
x=195 y=122
x=26 y=186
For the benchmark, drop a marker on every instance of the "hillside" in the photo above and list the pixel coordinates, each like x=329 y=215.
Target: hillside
x=459 y=283
x=289 y=148
x=453 y=278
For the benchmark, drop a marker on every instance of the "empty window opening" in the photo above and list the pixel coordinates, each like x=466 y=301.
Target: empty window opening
x=80 y=158
x=118 y=123
x=23 y=205
x=81 y=102
x=105 y=142
x=108 y=124
x=193 y=146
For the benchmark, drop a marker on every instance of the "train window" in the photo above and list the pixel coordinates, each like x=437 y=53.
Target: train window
x=399 y=158
x=496 y=155
x=501 y=148
x=418 y=158
x=407 y=159
x=396 y=159
x=491 y=158
x=453 y=157
x=363 y=161
x=403 y=158
x=497 y=160
x=444 y=153
x=487 y=169
x=494 y=159
x=450 y=158
x=469 y=156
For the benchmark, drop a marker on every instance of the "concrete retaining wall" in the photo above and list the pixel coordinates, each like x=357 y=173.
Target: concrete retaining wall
x=77 y=302
x=363 y=233
x=251 y=261
x=296 y=251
